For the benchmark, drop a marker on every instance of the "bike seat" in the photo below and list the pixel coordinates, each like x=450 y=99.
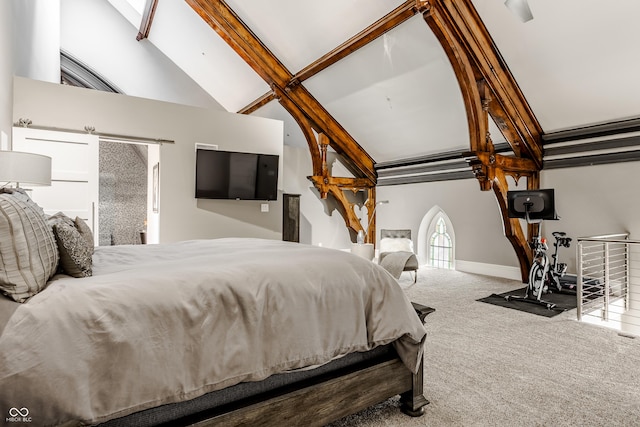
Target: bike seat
x=558 y=233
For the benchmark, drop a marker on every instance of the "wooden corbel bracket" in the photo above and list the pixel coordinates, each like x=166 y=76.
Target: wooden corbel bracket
x=486 y=164
x=337 y=186
x=491 y=171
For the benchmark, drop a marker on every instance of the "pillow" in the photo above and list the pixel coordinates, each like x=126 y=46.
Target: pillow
x=28 y=252
x=85 y=231
x=58 y=218
x=75 y=251
x=388 y=244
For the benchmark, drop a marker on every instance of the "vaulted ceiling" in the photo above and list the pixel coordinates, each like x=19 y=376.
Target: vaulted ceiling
x=576 y=63
x=389 y=78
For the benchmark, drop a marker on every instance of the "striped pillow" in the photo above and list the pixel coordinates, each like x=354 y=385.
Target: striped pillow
x=28 y=251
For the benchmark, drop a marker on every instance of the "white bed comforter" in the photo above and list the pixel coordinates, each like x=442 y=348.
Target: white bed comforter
x=163 y=323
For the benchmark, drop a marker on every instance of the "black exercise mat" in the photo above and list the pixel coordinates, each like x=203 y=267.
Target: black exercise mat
x=563 y=300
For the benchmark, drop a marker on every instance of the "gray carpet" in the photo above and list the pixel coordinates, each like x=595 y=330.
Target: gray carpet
x=487 y=365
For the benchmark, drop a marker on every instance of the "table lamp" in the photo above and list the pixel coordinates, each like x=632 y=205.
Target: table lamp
x=24 y=168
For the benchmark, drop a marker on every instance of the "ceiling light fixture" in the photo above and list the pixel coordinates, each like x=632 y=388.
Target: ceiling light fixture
x=520 y=8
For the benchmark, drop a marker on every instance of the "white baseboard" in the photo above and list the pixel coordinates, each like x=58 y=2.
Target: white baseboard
x=494 y=270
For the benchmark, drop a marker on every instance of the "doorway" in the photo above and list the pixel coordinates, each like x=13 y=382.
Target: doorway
x=107 y=182
x=122 y=201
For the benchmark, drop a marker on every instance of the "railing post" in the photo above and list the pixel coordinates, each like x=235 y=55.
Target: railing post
x=627 y=285
x=579 y=284
x=605 y=310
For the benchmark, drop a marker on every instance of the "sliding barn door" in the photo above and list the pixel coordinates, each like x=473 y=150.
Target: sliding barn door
x=74 y=174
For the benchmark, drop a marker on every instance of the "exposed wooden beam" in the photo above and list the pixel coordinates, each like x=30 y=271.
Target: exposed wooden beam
x=476 y=60
x=240 y=38
x=396 y=17
x=260 y=102
x=310 y=115
x=512 y=228
x=147 y=19
x=489 y=89
x=364 y=37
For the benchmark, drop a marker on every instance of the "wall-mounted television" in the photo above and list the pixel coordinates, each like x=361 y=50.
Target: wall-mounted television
x=235 y=175
x=532 y=204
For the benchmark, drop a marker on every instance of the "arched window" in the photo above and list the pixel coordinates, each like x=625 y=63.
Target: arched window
x=440 y=245
x=437 y=240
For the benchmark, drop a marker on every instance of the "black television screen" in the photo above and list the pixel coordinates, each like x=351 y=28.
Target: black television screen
x=538 y=204
x=235 y=175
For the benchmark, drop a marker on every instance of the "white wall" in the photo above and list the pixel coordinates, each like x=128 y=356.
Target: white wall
x=109 y=43
x=474 y=214
x=36 y=26
x=480 y=243
x=594 y=200
x=6 y=72
x=319 y=223
x=590 y=201
x=181 y=215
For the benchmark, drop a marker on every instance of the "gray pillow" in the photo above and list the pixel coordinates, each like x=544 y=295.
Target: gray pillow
x=58 y=218
x=75 y=251
x=28 y=252
x=85 y=231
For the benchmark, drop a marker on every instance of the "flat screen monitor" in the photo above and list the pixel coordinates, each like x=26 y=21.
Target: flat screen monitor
x=236 y=175
x=532 y=204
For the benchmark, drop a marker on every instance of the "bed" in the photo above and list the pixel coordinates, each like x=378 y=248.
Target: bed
x=230 y=331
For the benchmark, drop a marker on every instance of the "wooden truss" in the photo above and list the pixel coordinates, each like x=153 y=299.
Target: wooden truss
x=320 y=129
x=489 y=89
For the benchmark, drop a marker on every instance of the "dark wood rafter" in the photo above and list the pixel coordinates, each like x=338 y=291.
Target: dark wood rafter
x=310 y=115
x=147 y=19
x=463 y=35
x=380 y=27
x=366 y=36
x=231 y=28
x=258 y=103
x=489 y=89
x=512 y=226
x=307 y=130
x=321 y=179
x=464 y=72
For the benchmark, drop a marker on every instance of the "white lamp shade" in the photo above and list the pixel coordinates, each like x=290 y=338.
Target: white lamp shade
x=27 y=168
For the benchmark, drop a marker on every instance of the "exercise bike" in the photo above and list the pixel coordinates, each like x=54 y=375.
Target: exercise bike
x=544 y=276
x=559 y=269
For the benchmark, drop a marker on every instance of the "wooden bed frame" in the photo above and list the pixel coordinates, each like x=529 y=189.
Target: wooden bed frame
x=319 y=401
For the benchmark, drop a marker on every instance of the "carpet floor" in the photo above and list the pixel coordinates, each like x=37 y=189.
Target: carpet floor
x=489 y=366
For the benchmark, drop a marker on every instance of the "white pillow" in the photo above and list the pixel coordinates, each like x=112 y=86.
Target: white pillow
x=388 y=244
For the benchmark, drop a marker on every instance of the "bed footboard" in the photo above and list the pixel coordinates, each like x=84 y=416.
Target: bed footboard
x=413 y=401
x=323 y=401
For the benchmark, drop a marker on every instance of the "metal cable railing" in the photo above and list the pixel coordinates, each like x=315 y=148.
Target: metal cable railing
x=609 y=281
